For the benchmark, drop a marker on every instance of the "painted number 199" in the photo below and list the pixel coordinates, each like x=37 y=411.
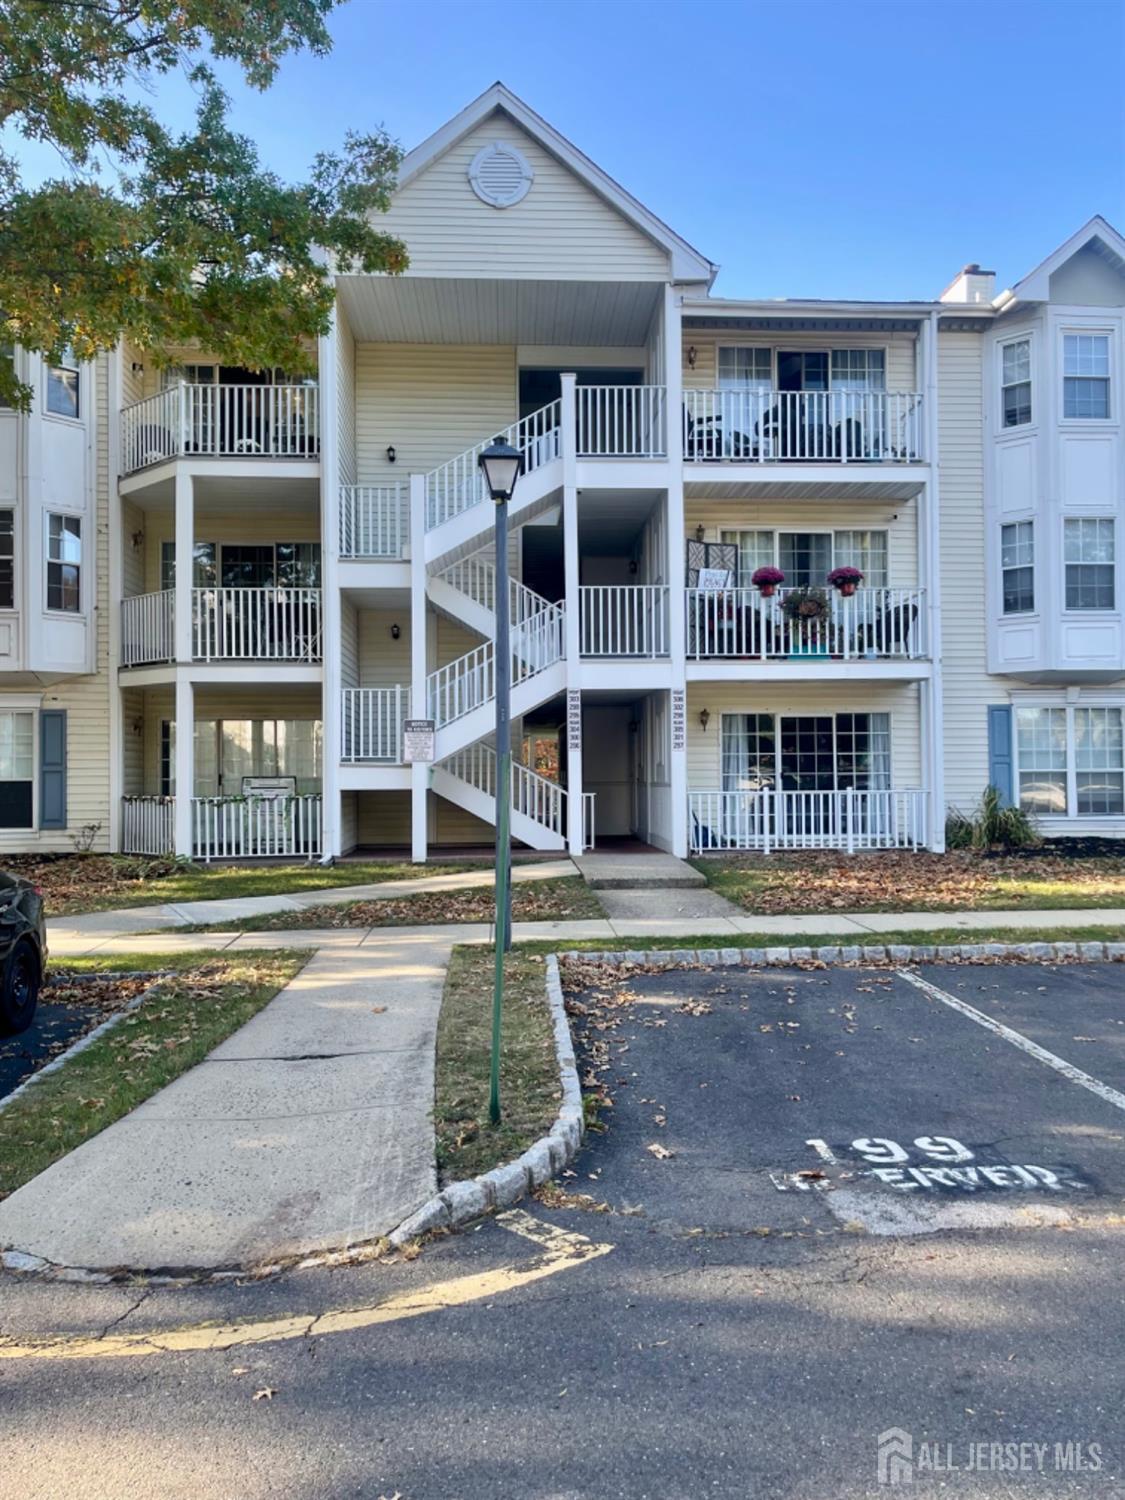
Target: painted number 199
x=886 y=1153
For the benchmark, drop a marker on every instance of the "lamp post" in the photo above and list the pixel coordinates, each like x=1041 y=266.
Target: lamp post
x=500 y=465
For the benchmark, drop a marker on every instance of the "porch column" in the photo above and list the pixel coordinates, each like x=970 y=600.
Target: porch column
x=571 y=572
x=185 y=760
x=116 y=594
x=929 y=529
x=331 y=694
x=185 y=547
x=419 y=709
x=677 y=562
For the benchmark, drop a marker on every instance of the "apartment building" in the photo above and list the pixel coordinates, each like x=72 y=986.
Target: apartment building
x=225 y=591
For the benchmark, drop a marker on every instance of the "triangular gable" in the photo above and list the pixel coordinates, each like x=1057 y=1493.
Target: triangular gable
x=1098 y=233
x=498 y=115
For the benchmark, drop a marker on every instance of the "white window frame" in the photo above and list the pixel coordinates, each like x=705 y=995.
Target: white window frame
x=1029 y=340
x=68 y=363
x=1096 y=424
x=1071 y=814
x=1081 y=611
x=833 y=714
x=771 y=360
x=49 y=561
x=1008 y=614
x=730 y=535
x=16 y=706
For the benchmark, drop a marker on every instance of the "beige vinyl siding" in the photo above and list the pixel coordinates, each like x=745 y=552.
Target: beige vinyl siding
x=901 y=352
x=450 y=824
x=345 y=397
x=968 y=688
x=383 y=819
x=900 y=700
x=383 y=661
x=349 y=644
x=134 y=522
x=561 y=229
x=898 y=519
x=133 y=742
x=429 y=402
x=349 y=821
x=132 y=374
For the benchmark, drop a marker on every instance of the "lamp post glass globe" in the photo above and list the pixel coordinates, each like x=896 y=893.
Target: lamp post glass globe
x=500 y=465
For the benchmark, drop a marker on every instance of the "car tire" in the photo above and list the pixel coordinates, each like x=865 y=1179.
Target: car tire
x=19 y=989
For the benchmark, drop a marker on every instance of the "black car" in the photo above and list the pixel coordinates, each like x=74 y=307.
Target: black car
x=23 y=952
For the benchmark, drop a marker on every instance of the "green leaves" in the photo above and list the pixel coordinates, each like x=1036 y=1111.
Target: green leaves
x=180 y=238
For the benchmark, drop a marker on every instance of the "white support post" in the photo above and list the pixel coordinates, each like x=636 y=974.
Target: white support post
x=185 y=571
x=332 y=696
x=185 y=761
x=677 y=562
x=419 y=709
x=116 y=593
x=575 y=832
x=932 y=693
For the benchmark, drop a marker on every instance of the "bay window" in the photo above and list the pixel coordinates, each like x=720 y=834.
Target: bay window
x=1017 y=567
x=1086 y=376
x=1015 y=383
x=1089 y=559
x=64 y=563
x=1071 y=761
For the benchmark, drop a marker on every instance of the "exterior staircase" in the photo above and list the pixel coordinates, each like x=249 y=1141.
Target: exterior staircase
x=539 y=806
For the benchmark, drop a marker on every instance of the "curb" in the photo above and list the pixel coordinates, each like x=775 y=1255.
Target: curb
x=892 y=953
x=461 y=1202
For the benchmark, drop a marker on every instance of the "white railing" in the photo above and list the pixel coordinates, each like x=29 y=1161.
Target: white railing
x=148 y=825
x=535 y=796
x=222 y=421
x=752 y=426
x=255 y=827
x=374 y=520
x=470 y=681
x=476 y=577
x=458 y=485
x=625 y=621
x=589 y=814
x=371 y=726
x=621 y=421
x=255 y=624
x=148 y=628
x=767 y=819
x=869 y=624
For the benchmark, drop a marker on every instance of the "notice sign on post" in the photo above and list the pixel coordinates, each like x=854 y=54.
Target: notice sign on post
x=417 y=741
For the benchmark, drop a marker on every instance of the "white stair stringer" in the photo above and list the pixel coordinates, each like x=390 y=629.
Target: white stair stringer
x=466 y=532
x=539 y=810
x=466 y=592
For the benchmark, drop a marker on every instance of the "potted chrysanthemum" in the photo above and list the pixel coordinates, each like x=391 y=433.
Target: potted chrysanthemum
x=766 y=580
x=845 y=580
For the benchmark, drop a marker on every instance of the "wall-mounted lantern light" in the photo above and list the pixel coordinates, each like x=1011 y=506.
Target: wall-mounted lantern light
x=391 y=454
x=700 y=533
x=704 y=718
x=396 y=631
x=691 y=356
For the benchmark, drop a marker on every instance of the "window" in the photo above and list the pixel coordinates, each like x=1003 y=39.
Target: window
x=1017 y=566
x=62 y=388
x=298 y=565
x=859 y=370
x=748 y=752
x=202 y=567
x=7 y=559
x=226 y=750
x=1086 y=375
x=865 y=550
x=863 y=752
x=17 y=769
x=1088 y=553
x=811 y=753
x=64 y=563
x=1041 y=753
x=755 y=550
x=805 y=557
x=1071 y=761
x=1015 y=383
x=744 y=369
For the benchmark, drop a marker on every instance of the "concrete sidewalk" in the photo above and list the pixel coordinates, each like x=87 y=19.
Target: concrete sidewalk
x=172 y=914
x=310 y=1128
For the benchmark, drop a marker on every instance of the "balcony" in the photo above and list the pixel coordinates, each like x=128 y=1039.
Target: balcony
x=870 y=625
x=221 y=421
x=374 y=521
x=810 y=427
x=371 y=727
x=767 y=820
x=226 y=827
x=626 y=621
x=228 y=624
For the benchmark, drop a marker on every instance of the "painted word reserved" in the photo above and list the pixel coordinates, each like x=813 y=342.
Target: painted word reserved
x=932 y=1163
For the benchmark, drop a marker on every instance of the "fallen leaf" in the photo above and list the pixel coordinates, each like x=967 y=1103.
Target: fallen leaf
x=267 y=1393
x=660 y=1152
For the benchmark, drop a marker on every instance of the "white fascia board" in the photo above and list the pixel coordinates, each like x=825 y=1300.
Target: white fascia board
x=1035 y=286
x=687 y=263
x=729 y=307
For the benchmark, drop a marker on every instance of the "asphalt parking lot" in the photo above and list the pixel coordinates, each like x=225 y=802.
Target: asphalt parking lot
x=852 y=1098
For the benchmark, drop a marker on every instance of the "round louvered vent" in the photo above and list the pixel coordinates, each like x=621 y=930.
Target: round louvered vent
x=500 y=175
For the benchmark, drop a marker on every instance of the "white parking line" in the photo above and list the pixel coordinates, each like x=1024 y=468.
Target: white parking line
x=1017 y=1039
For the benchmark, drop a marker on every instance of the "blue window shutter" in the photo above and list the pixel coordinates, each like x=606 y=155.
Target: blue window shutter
x=52 y=768
x=1000 y=770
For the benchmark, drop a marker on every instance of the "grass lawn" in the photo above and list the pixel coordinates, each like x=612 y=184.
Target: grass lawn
x=824 y=881
x=467 y=1143
x=567 y=899
x=194 y=1010
x=73 y=883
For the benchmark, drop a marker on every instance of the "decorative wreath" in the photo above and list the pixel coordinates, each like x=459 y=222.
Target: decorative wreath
x=806 y=606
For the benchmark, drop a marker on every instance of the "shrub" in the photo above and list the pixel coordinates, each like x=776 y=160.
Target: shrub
x=991 y=826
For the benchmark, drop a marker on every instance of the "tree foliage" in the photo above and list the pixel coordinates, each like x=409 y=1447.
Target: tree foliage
x=171 y=237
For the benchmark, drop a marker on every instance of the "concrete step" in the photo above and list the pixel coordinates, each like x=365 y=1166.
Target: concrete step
x=633 y=872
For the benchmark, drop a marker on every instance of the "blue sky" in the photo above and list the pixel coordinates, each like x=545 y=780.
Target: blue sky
x=849 y=148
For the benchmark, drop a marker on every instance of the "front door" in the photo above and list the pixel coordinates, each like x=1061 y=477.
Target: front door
x=805 y=557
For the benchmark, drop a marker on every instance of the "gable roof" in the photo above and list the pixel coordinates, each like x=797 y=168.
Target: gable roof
x=1035 y=286
x=687 y=263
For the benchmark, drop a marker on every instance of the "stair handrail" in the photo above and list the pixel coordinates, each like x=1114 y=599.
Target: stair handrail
x=457 y=485
x=475 y=577
x=535 y=796
x=469 y=681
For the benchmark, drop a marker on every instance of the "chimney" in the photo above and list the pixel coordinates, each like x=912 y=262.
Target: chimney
x=970 y=285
